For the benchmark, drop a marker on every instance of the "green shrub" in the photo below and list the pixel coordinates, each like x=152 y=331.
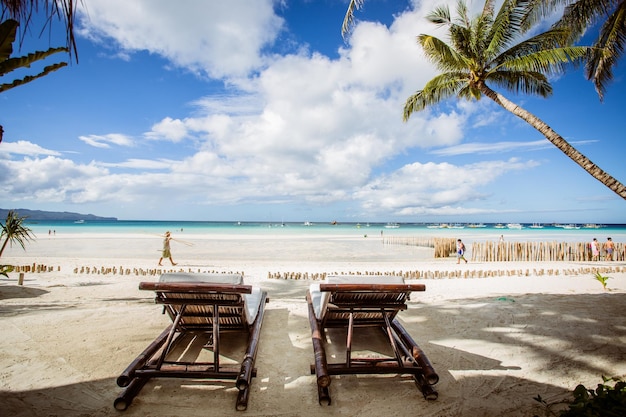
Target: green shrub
x=604 y=401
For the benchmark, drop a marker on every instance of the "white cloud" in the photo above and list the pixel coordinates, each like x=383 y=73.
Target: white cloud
x=418 y=189
x=218 y=38
x=168 y=129
x=105 y=141
x=24 y=147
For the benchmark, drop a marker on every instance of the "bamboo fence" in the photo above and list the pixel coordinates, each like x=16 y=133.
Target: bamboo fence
x=512 y=251
x=318 y=276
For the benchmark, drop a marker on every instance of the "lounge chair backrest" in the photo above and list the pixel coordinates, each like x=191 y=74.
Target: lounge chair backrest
x=363 y=296
x=237 y=303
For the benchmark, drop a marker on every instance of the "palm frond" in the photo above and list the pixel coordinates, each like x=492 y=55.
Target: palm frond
x=348 y=19
x=507 y=26
x=607 y=50
x=549 y=62
x=525 y=82
x=47 y=70
x=582 y=14
x=12 y=64
x=440 y=16
x=436 y=90
x=469 y=92
x=441 y=54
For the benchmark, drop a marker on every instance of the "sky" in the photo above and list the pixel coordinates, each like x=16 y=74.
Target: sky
x=259 y=110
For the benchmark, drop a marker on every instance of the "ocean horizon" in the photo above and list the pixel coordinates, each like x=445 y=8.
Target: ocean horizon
x=467 y=231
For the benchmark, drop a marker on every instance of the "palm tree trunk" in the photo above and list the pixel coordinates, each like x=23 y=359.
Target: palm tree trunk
x=557 y=141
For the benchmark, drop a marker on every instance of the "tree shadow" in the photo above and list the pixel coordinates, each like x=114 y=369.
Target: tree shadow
x=19 y=291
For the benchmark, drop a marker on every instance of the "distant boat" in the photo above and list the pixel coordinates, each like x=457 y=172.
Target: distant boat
x=499 y=226
x=571 y=227
x=514 y=226
x=392 y=225
x=79 y=221
x=308 y=224
x=592 y=226
x=536 y=226
x=476 y=225
x=457 y=226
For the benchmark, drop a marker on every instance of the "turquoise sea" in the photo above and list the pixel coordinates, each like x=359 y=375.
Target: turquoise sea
x=468 y=232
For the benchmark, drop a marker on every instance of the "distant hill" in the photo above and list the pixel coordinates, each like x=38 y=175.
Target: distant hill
x=53 y=215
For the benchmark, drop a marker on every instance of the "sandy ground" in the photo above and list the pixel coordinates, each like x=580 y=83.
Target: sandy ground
x=495 y=342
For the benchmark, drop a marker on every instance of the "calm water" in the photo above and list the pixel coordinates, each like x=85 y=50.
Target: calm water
x=571 y=233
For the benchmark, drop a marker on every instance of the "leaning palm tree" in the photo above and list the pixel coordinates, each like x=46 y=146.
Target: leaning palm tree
x=13 y=230
x=483 y=52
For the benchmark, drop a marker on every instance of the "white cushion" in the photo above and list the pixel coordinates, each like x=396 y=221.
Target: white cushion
x=213 y=278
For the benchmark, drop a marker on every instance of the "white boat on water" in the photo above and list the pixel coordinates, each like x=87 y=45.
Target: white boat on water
x=571 y=227
x=476 y=225
x=308 y=224
x=392 y=225
x=536 y=226
x=514 y=225
x=499 y=226
x=79 y=221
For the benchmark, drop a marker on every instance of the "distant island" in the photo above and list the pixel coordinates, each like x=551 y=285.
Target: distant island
x=54 y=215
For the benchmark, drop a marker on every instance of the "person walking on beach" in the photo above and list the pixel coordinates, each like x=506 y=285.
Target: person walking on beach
x=460 y=251
x=609 y=246
x=595 y=249
x=166 y=249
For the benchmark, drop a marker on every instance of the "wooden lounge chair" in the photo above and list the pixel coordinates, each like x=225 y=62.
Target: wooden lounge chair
x=202 y=307
x=366 y=303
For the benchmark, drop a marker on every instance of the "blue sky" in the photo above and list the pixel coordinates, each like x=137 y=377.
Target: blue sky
x=259 y=110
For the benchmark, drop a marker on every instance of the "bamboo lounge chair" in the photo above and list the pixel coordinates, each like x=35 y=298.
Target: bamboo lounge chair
x=366 y=303
x=202 y=307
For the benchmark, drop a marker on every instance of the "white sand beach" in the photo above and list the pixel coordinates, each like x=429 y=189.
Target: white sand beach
x=496 y=341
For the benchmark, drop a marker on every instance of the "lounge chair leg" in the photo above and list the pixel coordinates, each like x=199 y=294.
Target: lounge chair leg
x=427 y=390
x=323 y=395
x=123 y=401
x=242 y=399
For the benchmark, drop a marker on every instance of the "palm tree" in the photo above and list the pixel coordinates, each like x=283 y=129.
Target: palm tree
x=23 y=10
x=13 y=230
x=482 y=52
